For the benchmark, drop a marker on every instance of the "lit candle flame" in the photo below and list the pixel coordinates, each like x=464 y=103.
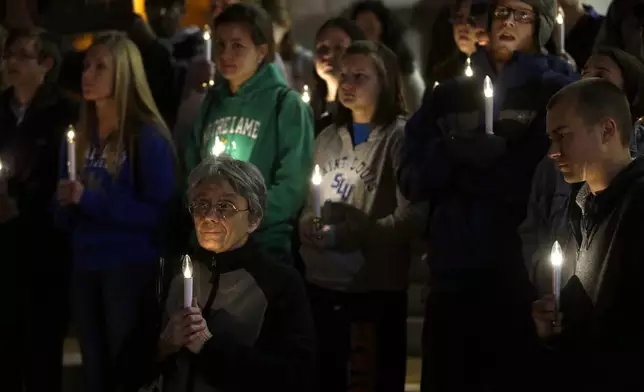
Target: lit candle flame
x=186 y=267
x=71 y=134
x=317 y=176
x=556 y=255
x=469 y=72
x=488 y=90
x=436 y=84
x=306 y=97
x=560 y=18
x=206 y=33
x=218 y=147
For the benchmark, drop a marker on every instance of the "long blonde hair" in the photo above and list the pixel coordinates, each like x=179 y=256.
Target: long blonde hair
x=135 y=106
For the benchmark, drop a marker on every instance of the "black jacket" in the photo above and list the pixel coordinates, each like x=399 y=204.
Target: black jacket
x=263 y=336
x=603 y=302
x=29 y=151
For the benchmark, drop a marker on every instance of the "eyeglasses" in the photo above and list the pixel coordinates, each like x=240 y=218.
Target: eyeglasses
x=521 y=16
x=223 y=210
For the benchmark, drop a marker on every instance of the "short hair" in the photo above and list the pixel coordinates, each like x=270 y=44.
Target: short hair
x=47 y=47
x=256 y=20
x=391 y=102
x=244 y=177
x=595 y=99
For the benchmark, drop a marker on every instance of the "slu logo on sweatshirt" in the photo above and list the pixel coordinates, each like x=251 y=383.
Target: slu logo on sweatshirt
x=234 y=125
x=341 y=176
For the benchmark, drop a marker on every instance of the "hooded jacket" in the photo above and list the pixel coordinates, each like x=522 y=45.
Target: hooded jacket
x=477 y=207
x=546 y=11
x=267 y=124
x=263 y=337
x=603 y=325
x=363 y=177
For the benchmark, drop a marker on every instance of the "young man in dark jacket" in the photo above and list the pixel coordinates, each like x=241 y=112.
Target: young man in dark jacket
x=477 y=186
x=33 y=117
x=602 y=330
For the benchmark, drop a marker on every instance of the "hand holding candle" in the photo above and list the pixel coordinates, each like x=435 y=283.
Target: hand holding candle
x=186 y=266
x=556 y=258
x=316 y=180
x=469 y=72
x=488 y=92
x=71 y=153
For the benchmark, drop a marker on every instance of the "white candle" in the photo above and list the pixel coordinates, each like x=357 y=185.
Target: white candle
x=186 y=266
x=71 y=153
x=556 y=258
x=306 y=97
x=469 y=72
x=316 y=180
x=488 y=92
x=218 y=147
x=562 y=32
x=207 y=39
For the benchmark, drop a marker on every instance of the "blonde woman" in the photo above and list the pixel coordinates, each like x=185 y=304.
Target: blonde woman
x=125 y=181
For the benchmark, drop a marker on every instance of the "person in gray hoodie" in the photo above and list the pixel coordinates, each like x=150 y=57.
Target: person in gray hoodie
x=546 y=219
x=357 y=257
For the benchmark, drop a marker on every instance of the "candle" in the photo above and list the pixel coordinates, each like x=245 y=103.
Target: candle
x=488 y=92
x=207 y=38
x=469 y=72
x=3 y=183
x=436 y=84
x=71 y=154
x=316 y=180
x=186 y=266
x=306 y=97
x=218 y=147
x=562 y=31
x=556 y=258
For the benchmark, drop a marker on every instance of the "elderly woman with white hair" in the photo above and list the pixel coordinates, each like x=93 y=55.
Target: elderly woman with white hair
x=250 y=326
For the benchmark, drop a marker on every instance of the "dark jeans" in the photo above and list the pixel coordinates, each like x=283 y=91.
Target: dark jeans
x=475 y=342
x=116 y=312
x=35 y=294
x=361 y=340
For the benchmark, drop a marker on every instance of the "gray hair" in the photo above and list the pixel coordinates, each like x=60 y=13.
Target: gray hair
x=244 y=177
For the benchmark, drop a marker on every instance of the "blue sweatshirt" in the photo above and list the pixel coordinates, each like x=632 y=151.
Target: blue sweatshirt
x=116 y=221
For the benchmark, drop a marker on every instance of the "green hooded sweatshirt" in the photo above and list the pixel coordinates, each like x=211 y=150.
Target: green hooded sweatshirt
x=250 y=128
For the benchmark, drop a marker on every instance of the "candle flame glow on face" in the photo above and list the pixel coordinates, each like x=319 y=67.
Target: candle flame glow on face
x=469 y=72
x=560 y=18
x=488 y=89
x=317 y=176
x=556 y=255
x=186 y=267
x=218 y=147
